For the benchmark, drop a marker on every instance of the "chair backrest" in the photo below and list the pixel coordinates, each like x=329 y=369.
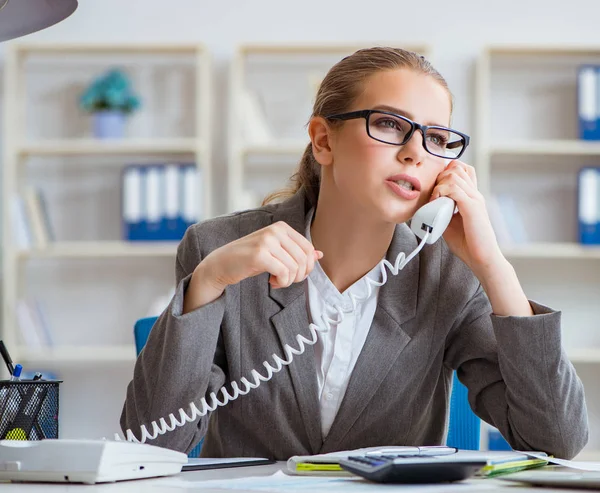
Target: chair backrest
x=465 y=427
x=463 y=430
x=141 y=331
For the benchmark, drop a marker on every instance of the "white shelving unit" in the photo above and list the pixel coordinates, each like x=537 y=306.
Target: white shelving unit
x=545 y=147
x=527 y=148
x=20 y=148
x=571 y=251
x=101 y=249
x=102 y=148
x=77 y=355
x=288 y=75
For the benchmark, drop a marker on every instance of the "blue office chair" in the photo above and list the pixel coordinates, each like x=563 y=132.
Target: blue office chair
x=141 y=331
x=463 y=430
x=465 y=427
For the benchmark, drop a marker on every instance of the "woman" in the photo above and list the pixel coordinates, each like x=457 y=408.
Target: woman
x=249 y=282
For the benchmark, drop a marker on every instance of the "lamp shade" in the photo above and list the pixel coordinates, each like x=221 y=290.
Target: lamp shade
x=20 y=17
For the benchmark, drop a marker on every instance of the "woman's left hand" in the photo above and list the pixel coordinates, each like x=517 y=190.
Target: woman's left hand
x=469 y=235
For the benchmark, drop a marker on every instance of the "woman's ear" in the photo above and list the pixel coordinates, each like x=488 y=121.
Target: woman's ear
x=320 y=136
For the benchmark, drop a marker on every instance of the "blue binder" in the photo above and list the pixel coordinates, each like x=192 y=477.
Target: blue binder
x=159 y=201
x=173 y=225
x=588 y=93
x=588 y=209
x=153 y=210
x=131 y=203
x=191 y=196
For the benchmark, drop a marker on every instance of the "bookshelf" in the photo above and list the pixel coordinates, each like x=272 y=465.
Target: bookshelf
x=272 y=89
x=101 y=249
x=69 y=149
x=96 y=147
x=527 y=148
x=545 y=147
x=571 y=251
x=584 y=355
x=62 y=356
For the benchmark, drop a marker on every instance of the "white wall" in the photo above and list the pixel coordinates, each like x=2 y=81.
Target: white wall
x=456 y=31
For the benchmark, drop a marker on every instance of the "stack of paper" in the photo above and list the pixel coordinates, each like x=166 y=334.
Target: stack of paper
x=328 y=464
x=498 y=462
x=504 y=462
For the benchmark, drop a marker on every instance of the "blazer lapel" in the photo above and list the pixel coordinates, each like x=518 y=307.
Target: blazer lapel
x=291 y=321
x=397 y=304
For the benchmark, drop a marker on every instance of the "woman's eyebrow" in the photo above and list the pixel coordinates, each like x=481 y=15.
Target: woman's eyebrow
x=406 y=114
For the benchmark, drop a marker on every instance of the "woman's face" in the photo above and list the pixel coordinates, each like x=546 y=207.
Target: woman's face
x=372 y=174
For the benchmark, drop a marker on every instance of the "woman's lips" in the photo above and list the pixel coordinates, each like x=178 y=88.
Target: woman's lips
x=402 y=192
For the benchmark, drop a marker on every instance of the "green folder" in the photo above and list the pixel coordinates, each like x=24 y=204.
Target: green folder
x=493 y=470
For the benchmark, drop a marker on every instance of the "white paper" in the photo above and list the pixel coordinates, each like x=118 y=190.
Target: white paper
x=281 y=482
x=573 y=464
x=332 y=457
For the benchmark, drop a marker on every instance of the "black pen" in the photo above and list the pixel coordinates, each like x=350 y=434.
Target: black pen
x=6 y=358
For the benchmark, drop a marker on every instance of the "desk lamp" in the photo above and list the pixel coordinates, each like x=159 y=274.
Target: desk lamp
x=21 y=17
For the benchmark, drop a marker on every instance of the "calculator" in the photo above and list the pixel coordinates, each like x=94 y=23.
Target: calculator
x=411 y=469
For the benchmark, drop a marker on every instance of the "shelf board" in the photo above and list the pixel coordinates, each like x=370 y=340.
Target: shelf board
x=318 y=48
x=544 y=50
x=54 y=355
x=102 y=249
x=65 y=147
x=283 y=147
x=584 y=355
x=546 y=148
x=588 y=454
x=551 y=251
x=106 y=48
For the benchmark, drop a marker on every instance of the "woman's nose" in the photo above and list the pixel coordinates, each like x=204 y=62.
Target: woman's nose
x=413 y=151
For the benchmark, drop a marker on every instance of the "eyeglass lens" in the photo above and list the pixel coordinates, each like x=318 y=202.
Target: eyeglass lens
x=393 y=130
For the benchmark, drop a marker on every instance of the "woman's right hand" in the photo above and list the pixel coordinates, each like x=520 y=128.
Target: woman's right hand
x=277 y=249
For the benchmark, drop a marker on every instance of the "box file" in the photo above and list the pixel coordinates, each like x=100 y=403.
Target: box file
x=160 y=201
x=589 y=206
x=588 y=84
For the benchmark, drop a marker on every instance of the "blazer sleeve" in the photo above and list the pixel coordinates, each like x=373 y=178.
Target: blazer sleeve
x=182 y=362
x=519 y=377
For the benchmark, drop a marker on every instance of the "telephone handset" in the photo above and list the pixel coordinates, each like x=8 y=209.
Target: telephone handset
x=428 y=223
x=433 y=218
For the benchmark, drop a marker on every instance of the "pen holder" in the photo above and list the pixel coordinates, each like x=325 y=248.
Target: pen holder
x=29 y=409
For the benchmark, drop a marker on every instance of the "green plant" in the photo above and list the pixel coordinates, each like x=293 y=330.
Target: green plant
x=111 y=91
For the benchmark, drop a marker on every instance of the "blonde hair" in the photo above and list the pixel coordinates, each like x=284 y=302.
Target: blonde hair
x=337 y=92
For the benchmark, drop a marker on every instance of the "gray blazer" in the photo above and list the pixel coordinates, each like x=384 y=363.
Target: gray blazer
x=431 y=319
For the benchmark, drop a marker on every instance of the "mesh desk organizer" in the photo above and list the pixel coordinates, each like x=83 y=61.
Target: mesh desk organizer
x=29 y=409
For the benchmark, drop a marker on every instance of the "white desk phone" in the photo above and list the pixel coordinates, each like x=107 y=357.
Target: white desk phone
x=93 y=461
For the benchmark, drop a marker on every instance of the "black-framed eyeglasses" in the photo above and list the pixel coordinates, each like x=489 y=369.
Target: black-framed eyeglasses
x=393 y=129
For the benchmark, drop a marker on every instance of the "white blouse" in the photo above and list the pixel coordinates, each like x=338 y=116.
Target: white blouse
x=336 y=351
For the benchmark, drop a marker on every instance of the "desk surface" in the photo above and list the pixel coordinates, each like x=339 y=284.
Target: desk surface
x=166 y=485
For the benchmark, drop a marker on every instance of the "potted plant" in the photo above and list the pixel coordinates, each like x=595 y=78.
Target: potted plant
x=110 y=99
